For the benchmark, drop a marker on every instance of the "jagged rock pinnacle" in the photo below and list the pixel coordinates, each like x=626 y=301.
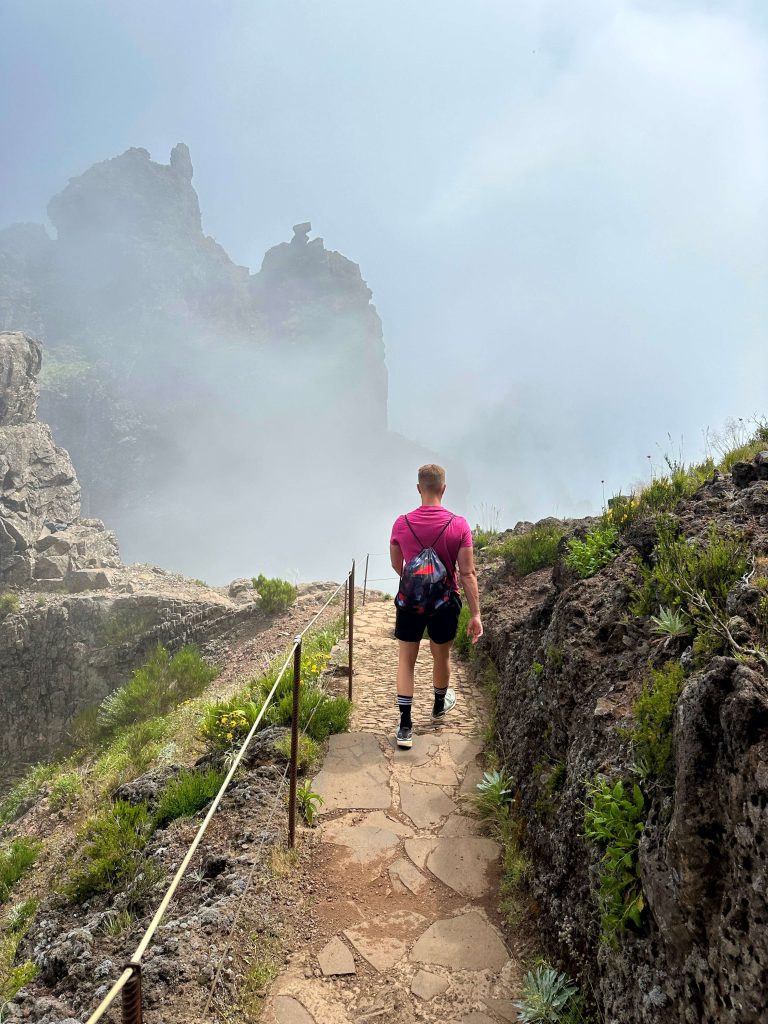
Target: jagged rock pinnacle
x=181 y=161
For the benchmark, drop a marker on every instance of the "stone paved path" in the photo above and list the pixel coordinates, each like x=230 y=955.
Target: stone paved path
x=404 y=918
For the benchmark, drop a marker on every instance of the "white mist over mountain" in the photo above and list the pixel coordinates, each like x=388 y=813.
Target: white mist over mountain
x=560 y=209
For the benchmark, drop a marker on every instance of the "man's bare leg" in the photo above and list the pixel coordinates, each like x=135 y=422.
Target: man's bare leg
x=406 y=666
x=441 y=677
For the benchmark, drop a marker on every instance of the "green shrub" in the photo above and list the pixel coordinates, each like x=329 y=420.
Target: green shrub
x=654 y=711
x=225 y=724
x=614 y=821
x=308 y=802
x=15 y=861
x=112 y=852
x=159 y=685
x=534 y=550
x=599 y=547
x=693 y=578
x=187 y=794
x=65 y=790
x=12 y=978
x=546 y=996
x=661 y=495
x=307 y=754
x=463 y=645
x=276 y=595
x=494 y=794
x=482 y=538
x=537 y=668
x=671 y=623
x=9 y=604
x=320 y=716
x=20 y=916
x=29 y=785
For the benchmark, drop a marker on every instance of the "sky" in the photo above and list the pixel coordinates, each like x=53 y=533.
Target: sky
x=560 y=207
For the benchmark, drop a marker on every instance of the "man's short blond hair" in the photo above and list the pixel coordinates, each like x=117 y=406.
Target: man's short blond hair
x=432 y=478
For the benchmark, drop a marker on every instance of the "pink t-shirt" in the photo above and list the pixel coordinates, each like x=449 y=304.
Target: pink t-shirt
x=427 y=522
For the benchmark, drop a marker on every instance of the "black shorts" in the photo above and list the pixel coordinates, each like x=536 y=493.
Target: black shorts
x=441 y=627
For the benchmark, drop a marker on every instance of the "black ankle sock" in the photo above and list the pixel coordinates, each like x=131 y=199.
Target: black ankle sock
x=440 y=693
x=404 y=703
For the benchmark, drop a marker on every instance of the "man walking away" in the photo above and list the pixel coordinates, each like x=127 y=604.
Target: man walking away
x=425 y=547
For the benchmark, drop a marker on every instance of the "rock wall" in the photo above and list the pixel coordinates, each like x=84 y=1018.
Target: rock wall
x=74 y=621
x=701 y=955
x=42 y=536
x=57 y=660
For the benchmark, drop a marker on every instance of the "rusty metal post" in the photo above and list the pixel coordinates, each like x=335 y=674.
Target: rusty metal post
x=365 y=581
x=351 y=622
x=346 y=588
x=131 y=996
x=294 y=745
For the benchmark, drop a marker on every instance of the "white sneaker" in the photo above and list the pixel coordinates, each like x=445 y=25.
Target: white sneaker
x=448 y=705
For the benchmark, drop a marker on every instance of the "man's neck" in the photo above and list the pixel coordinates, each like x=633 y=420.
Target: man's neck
x=431 y=502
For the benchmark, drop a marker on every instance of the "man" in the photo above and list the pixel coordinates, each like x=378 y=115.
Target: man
x=432 y=525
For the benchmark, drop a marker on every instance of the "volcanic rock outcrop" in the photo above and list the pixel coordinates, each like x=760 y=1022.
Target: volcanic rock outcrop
x=41 y=534
x=165 y=360
x=573 y=658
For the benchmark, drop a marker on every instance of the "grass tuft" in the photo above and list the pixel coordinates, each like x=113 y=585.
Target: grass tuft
x=15 y=861
x=534 y=550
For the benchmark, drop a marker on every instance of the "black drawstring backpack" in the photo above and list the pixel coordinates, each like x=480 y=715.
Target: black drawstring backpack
x=426 y=585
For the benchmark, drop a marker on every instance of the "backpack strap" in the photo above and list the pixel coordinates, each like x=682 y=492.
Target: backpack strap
x=413 y=532
x=450 y=568
x=437 y=538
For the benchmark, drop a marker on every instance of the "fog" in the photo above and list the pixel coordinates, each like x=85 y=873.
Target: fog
x=560 y=209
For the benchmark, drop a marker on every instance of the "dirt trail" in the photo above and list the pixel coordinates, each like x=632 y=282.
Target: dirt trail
x=404 y=916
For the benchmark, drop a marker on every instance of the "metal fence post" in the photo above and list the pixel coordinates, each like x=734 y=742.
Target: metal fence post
x=294 y=744
x=351 y=621
x=346 y=588
x=131 y=996
x=365 y=581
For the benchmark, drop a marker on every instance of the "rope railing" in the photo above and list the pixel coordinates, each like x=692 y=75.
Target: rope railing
x=128 y=985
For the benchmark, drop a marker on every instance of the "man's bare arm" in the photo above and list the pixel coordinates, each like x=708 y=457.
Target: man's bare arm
x=396 y=558
x=469 y=583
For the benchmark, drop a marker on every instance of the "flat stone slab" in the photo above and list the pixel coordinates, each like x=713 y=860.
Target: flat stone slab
x=460 y=825
x=463 y=749
x=437 y=774
x=463 y=863
x=335 y=959
x=290 y=1011
x=424 y=804
x=384 y=940
x=424 y=749
x=365 y=843
x=355 y=774
x=377 y=819
x=464 y=943
x=407 y=875
x=474 y=774
x=503 y=1008
x=427 y=985
x=419 y=848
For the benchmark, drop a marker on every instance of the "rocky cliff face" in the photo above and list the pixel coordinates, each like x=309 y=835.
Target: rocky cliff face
x=573 y=660
x=78 y=621
x=41 y=534
x=163 y=356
